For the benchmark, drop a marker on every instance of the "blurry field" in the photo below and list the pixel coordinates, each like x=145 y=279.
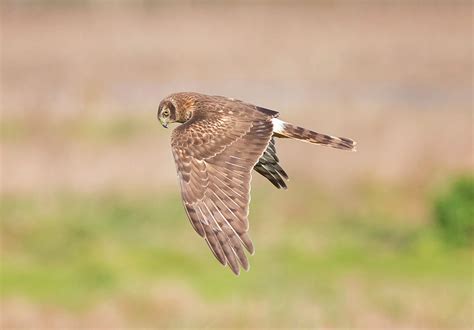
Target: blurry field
x=93 y=233
x=116 y=258
x=364 y=252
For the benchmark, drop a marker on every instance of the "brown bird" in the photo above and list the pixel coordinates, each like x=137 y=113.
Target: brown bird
x=220 y=142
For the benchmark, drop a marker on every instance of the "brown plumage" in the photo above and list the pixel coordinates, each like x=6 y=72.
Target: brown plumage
x=220 y=142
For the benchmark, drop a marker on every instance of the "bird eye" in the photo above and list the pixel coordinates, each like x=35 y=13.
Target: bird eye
x=166 y=113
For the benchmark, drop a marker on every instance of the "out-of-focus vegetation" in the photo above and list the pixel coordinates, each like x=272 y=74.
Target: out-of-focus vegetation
x=84 y=128
x=454 y=211
x=324 y=265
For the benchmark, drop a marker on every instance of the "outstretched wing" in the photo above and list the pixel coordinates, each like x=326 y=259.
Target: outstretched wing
x=215 y=153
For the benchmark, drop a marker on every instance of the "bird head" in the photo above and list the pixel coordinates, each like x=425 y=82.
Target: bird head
x=166 y=112
x=177 y=108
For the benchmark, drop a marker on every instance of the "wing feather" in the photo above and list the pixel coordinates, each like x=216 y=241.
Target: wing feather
x=269 y=167
x=215 y=154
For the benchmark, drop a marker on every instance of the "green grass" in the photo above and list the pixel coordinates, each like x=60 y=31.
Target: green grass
x=87 y=127
x=75 y=250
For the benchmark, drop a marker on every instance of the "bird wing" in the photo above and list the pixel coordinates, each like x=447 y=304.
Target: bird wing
x=268 y=166
x=215 y=153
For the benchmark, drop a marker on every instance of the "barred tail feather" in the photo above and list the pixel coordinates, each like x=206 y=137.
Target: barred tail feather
x=281 y=128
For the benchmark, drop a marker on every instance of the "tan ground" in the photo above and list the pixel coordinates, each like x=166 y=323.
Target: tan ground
x=395 y=78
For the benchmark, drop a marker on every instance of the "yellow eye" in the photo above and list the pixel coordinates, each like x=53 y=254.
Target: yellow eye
x=165 y=113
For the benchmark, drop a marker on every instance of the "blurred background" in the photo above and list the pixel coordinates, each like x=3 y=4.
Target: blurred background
x=93 y=233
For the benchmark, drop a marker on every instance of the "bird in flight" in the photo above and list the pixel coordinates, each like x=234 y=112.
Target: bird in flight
x=215 y=149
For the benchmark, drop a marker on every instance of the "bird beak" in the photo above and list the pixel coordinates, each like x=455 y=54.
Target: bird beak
x=164 y=123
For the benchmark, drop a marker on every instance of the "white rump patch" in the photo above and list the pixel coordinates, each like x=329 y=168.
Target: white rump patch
x=278 y=125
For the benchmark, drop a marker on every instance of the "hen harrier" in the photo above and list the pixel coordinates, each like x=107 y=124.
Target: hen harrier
x=220 y=142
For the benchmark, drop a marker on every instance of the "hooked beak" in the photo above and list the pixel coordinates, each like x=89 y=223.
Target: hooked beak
x=164 y=123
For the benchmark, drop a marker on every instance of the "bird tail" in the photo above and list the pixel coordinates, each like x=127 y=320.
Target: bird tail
x=283 y=129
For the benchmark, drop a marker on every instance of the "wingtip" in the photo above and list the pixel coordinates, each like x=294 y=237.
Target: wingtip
x=252 y=250
x=283 y=186
x=246 y=267
x=235 y=271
